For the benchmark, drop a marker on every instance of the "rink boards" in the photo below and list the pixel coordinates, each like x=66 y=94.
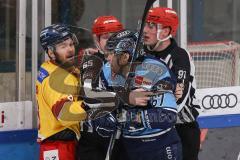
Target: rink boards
x=220 y=109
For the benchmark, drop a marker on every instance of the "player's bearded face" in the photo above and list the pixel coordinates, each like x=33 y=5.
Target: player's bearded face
x=150 y=34
x=115 y=64
x=119 y=63
x=65 y=53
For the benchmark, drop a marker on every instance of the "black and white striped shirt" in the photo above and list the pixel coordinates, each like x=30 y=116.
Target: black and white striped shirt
x=181 y=64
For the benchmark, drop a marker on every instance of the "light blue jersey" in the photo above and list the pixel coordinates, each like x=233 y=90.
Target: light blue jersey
x=160 y=114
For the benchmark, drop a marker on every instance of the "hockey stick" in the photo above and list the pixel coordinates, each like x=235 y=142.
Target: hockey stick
x=111 y=145
x=148 y=5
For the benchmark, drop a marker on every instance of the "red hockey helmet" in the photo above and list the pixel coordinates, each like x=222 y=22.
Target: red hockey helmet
x=167 y=17
x=106 y=24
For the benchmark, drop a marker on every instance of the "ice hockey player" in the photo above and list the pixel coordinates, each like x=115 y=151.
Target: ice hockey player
x=98 y=81
x=148 y=131
x=57 y=90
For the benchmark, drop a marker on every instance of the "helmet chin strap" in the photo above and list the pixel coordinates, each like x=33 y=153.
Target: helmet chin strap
x=159 y=30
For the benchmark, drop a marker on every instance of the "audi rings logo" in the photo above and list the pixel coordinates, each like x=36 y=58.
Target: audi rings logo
x=219 y=101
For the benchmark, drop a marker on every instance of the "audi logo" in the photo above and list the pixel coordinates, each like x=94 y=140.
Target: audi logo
x=219 y=101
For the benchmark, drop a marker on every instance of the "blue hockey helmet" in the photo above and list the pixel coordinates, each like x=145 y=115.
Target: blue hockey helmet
x=55 y=34
x=122 y=41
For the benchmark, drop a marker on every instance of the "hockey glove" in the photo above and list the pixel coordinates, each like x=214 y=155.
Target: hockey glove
x=105 y=125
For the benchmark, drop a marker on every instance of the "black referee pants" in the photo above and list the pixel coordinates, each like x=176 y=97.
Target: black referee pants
x=189 y=134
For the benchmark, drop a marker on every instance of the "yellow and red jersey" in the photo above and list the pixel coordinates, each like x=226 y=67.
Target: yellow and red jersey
x=58 y=108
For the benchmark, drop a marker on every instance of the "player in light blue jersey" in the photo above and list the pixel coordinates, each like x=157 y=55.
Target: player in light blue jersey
x=99 y=94
x=148 y=131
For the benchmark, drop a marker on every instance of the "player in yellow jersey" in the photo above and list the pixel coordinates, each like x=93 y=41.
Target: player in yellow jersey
x=57 y=91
